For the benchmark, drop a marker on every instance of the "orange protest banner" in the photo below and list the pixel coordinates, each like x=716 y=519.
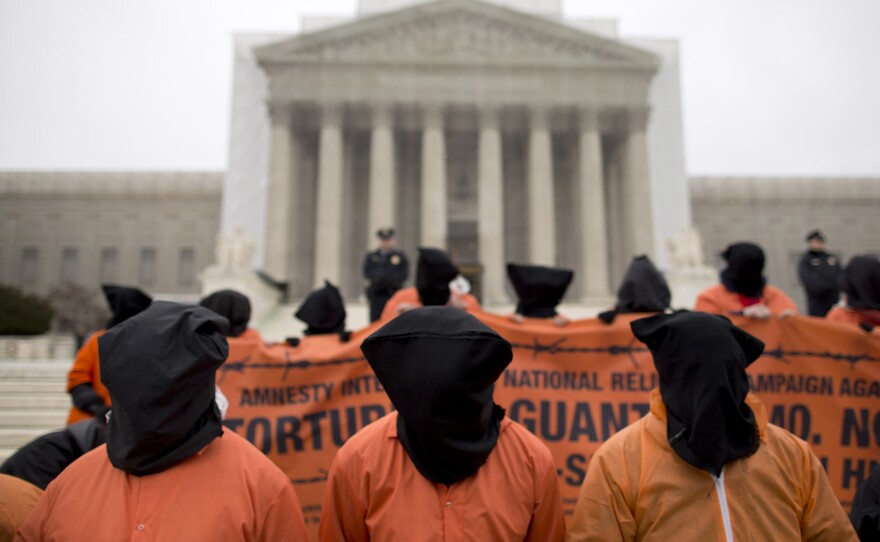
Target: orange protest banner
x=573 y=387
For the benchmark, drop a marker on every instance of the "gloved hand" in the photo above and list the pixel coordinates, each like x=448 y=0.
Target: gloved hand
x=100 y=412
x=758 y=312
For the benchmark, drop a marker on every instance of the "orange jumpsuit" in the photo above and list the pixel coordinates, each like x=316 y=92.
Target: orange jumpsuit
x=719 y=300
x=638 y=488
x=228 y=491
x=375 y=492
x=854 y=316
x=86 y=370
x=17 y=499
x=410 y=296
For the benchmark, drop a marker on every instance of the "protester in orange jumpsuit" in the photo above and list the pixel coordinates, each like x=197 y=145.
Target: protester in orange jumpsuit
x=704 y=464
x=165 y=473
x=17 y=499
x=743 y=289
x=235 y=307
x=643 y=289
x=447 y=464
x=323 y=312
x=861 y=286
x=434 y=272
x=89 y=396
x=539 y=290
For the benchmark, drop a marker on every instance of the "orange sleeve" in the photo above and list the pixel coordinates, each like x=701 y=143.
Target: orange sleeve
x=32 y=529
x=548 y=517
x=86 y=370
x=284 y=519
x=839 y=314
x=707 y=302
x=823 y=518
x=343 y=517
x=844 y=315
x=473 y=303
x=406 y=295
x=85 y=364
x=778 y=301
x=603 y=512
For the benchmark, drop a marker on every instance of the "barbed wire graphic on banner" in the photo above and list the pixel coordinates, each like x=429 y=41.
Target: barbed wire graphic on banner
x=537 y=347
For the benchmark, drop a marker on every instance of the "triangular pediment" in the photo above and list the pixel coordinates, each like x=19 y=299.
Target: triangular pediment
x=457 y=32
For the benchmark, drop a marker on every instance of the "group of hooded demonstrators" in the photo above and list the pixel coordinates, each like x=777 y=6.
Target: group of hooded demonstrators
x=146 y=456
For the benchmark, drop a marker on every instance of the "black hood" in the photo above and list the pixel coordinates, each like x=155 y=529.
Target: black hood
x=643 y=288
x=323 y=311
x=861 y=282
x=124 y=302
x=435 y=271
x=539 y=289
x=745 y=269
x=701 y=360
x=231 y=305
x=439 y=366
x=159 y=368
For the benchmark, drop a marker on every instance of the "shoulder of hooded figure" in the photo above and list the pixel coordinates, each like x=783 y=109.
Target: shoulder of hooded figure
x=514 y=435
x=774 y=294
x=236 y=450
x=85 y=467
x=787 y=449
x=629 y=440
x=368 y=440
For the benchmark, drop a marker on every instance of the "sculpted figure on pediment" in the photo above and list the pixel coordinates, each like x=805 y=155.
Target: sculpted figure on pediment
x=457 y=35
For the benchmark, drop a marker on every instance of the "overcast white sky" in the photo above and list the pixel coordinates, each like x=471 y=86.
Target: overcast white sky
x=770 y=87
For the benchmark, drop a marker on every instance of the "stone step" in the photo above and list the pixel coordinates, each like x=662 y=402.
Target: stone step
x=5 y=453
x=43 y=419
x=30 y=386
x=34 y=369
x=16 y=437
x=21 y=401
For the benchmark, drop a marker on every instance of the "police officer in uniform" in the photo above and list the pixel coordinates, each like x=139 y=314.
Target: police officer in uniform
x=386 y=269
x=820 y=273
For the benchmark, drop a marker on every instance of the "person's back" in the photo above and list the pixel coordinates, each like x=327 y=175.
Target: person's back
x=169 y=471
x=201 y=498
x=743 y=289
x=434 y=273
x=861 y=286
x=17 y=499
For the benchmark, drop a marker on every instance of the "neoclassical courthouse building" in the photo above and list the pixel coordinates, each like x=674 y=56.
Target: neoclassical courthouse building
x=498 y=130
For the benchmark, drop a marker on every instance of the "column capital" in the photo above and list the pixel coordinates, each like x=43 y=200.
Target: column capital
x=539 y=116
x=588 y=119
x=280 y=112
x=331 y=113
x=489 y=116
x=636 y=118
x=432 y=115
x=382 y=113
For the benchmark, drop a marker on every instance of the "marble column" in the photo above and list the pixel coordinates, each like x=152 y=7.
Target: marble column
x=490 y=208
x=328 y=216
x=278 y=198
x=594 y=236
x=542 y=221
x=638 y=184
x=434 y=221
x=382 y=203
